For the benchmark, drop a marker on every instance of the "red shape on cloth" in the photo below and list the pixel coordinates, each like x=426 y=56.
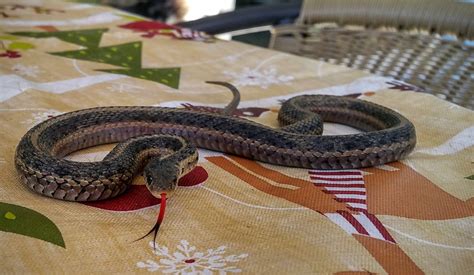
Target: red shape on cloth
x=10 y=54
x=150 y=28
x=197 y=176
x=136 y=197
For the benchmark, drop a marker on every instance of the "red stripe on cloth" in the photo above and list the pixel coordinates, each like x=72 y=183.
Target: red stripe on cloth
x=335 y=192
x=348 y=216
x=333 y=173
x=350 y=200
x=375 y=221
x=357 y=209
x=354 y=185
x=335 y=179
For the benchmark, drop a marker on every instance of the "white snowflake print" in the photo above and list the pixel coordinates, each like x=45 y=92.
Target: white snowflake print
x=124 y=88
x=41 y=116
x=258 y=77
x=26 y=70
x=186 y=260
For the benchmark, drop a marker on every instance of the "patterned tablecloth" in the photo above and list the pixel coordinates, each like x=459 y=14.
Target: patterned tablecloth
x=230 y=214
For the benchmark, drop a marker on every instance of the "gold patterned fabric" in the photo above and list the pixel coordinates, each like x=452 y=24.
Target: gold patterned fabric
x=229 y=214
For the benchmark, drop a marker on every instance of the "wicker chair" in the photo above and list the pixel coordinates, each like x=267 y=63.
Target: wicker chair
x=426 y=43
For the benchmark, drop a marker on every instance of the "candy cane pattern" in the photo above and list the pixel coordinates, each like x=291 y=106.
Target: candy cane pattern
x=347 y=186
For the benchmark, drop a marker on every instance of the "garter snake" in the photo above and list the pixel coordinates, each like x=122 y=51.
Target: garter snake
x=162 y=142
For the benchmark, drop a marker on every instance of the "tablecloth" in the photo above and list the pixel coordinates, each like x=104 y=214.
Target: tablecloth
x=229 y=214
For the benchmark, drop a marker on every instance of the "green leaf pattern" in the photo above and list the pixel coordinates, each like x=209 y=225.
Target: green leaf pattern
x=24 y=221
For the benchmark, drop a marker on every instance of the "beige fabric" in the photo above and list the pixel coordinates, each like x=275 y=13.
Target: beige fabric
x=235 y=215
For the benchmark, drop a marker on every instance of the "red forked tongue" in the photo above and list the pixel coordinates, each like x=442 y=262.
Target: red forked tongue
x=159 y=220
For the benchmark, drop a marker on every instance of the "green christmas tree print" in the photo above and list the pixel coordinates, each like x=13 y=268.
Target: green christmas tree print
x=86 y=38
x=123 y=55
x=165 y=76
x=127 y=55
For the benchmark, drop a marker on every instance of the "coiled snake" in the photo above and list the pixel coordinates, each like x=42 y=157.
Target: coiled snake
x=161 y=142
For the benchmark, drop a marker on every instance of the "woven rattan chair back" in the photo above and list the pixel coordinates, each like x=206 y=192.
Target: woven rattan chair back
x=428 y=44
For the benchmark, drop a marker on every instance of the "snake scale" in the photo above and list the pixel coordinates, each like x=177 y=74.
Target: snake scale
x=162 y=142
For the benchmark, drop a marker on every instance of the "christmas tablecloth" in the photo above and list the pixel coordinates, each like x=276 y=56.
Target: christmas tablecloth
x=229 y=214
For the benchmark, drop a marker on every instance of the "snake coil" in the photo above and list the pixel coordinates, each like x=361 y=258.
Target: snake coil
x=161 y=141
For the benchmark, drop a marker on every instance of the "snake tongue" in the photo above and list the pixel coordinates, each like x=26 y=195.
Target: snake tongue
x=159 y=220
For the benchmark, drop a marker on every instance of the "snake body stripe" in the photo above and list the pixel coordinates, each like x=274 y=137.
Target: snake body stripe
x=161 y=141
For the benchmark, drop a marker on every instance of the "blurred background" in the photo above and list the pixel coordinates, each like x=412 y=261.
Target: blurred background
x=253 y=28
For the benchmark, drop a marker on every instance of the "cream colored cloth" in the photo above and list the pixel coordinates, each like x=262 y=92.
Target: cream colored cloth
x=230 y=214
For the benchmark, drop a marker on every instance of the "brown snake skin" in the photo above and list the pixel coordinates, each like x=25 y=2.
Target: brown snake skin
x=161 y=142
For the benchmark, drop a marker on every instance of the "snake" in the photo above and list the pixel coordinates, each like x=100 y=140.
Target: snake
x=161 y=143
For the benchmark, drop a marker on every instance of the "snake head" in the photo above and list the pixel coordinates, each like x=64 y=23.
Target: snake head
x=161 y=176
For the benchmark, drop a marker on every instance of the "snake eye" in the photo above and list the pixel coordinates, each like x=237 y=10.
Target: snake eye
x=149 y=179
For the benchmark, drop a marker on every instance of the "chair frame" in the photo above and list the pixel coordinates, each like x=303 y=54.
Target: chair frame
x=426 y=43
